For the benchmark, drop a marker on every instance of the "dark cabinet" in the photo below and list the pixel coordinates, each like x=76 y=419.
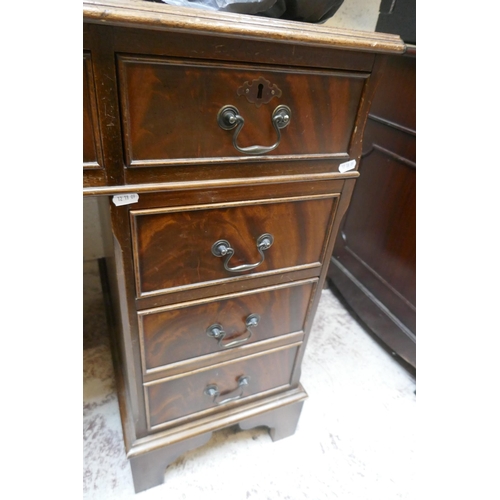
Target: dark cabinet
x=373 y=265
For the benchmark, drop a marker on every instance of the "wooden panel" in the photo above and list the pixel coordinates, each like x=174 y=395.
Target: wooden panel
x=399 y=17
x=181 y=396
x=238 y=190
x=157 y=16
x=176 y=333
x=197 y=46
x=375 y=231
x=92 y=155
x=163 y=118
x=172 y=246
x=390 y=141
x=226 y=287
x=374 y=260
x=375 y=316
x=396 y=94
x=264 y=169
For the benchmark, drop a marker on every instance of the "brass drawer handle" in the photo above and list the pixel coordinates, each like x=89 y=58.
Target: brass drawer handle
x=229 y=117
x=212 y=390
x=222 y=248
x=217 y=331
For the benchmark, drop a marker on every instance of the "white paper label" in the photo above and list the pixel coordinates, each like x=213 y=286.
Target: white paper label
x=125 y=199
x=347 y=165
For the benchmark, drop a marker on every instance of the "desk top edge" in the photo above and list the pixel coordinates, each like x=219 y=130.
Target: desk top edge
x=144 y=14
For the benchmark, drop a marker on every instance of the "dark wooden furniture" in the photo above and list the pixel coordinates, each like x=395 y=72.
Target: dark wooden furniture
x=398 y=17
x=232 y=131
x=374 y=260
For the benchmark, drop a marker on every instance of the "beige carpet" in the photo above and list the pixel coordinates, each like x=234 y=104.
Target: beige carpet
x=355 y=440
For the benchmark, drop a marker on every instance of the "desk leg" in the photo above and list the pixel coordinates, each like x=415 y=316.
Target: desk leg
x=148 y=469
x=282 y=422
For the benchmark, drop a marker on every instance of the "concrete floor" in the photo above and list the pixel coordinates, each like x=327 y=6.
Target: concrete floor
x=356 y=15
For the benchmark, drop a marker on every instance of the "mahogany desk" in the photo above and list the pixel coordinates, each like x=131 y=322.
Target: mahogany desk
x=223 y=149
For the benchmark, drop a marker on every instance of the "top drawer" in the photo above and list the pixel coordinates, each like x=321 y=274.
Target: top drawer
x=170 y=110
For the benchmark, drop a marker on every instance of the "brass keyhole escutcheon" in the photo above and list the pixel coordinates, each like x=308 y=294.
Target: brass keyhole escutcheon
x=259 y=91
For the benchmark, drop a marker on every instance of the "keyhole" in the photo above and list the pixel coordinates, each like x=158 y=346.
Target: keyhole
x=259 y=93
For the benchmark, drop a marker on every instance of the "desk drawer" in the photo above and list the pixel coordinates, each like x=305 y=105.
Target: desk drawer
x=199 y=245
x=184 y=331
x=218 y=386
x=170 y=109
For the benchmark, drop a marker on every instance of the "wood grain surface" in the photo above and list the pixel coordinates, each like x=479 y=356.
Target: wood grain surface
x=163 y=118
x=172 y=247
x=182 y=396
x=180 y=333
x=159 y=76
x=92 y=156
x=138 y=13
x=374 y=260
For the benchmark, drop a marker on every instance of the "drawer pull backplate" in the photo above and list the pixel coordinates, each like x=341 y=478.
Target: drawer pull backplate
x=229 y=117
x=222 y=248
x=212 y=390
x=217 y=331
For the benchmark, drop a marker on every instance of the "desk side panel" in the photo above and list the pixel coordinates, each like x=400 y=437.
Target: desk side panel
x=124 y=331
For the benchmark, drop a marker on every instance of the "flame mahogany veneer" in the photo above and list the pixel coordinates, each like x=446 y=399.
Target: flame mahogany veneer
x=216 y=266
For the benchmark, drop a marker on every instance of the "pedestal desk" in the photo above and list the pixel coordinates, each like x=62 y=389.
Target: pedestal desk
x=223 y=150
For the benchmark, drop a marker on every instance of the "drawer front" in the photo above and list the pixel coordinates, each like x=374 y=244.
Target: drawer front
x=181 y=332
x=174 y=247
x=170 y=109
x=180 y=397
